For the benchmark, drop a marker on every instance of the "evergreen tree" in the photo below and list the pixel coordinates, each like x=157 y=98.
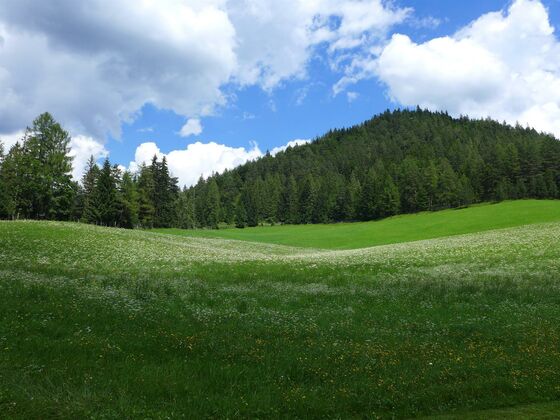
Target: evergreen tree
x=129 y=205
x=13 y=179
x=240 y=214
x=370 y=194
x=308 y=200
x=4 y=195
x=185 y=214
x=289 y=210
x=45 y=175
x=213 y=205
x=145 y=187
x=89 y=179
x=105 y=198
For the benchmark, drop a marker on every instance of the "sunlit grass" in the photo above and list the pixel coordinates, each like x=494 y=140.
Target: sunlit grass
x=109 y=323
x=397 y=229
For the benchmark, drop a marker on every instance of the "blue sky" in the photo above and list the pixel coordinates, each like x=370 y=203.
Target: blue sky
x=250 y=77
x=250 y=117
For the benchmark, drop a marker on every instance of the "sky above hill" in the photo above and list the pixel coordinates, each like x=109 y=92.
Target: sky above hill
x=213 y=83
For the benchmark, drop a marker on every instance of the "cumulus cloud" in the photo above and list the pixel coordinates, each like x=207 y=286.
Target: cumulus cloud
x=293 y=143
x=503 y=65
x=81 y=149
x=8 y=140
x=192 y=127
x=94 y=66
x=198 y=159
x=202 y=159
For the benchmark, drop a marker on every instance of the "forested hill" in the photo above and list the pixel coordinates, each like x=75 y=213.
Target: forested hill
x=397 y=162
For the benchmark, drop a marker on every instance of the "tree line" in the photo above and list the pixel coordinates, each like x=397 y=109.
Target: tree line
x=36 y=183
x=398 y=162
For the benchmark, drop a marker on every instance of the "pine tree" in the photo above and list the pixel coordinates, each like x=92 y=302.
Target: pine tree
x=128 y=202
x=13 y=179
x=369 y=196
x=145 y=187
x=308 y=199
x=185 y=217
x=89 y=213
x=447 y=185
x=213 y=205
x=290 y=202
x=388 y=203
x=249 y=199
x=4 y=196
x=240 y=214
x=48 y=181
x=105 y=196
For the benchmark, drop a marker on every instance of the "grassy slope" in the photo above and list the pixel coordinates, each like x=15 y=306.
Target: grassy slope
x=394 y=230
x=108 y=323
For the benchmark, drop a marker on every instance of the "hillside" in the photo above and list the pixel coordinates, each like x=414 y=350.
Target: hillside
x=111 y=323
x=405 y=228
x=396 y=163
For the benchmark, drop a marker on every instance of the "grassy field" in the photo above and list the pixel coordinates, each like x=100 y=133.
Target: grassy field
x=108 y=323
x=393 y=230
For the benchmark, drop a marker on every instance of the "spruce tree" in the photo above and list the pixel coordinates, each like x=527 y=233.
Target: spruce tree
x=89 y=179
x=290 y=202
x=128 y=202
x=105 y=196
x=213 y=205
x=4 y=196
x=145 y=184
x=47 y=180
x=240 y=214
x=184 y=216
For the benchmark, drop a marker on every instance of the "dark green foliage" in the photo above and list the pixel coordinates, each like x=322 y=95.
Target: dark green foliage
x=240 y=214
x=105 y=197
x=128 y=197
x=184 y=207
x=37 y=173
x=89 y=180
x=4 y=194
x=212 y=205
x=164 y=194
x=146 y=207
x=398 y=162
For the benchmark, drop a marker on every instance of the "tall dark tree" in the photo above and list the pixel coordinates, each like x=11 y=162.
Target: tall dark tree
x=213 y=204
x=289 y=205
x=128 y=202
x=240 y=214
x=185 y=215
x=89 y=179
x=105 y=196
x=145 y=188
x=45 y=181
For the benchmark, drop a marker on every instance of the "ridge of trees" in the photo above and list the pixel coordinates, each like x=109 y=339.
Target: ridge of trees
x=398 y=162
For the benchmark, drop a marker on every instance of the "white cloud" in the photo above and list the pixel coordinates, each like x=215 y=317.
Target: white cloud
x=352 y=96
x=202 y=158
x=293 y=143
x=504 y=65
x=94 y=64
x=8 y=140
x=81 y=149
x=197 y=159
x=192 y=127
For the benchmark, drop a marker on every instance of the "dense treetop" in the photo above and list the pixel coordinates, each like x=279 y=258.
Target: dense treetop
x=398 y=162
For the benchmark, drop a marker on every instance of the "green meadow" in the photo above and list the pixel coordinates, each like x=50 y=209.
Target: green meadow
x=451 y=315
x=396 y=229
